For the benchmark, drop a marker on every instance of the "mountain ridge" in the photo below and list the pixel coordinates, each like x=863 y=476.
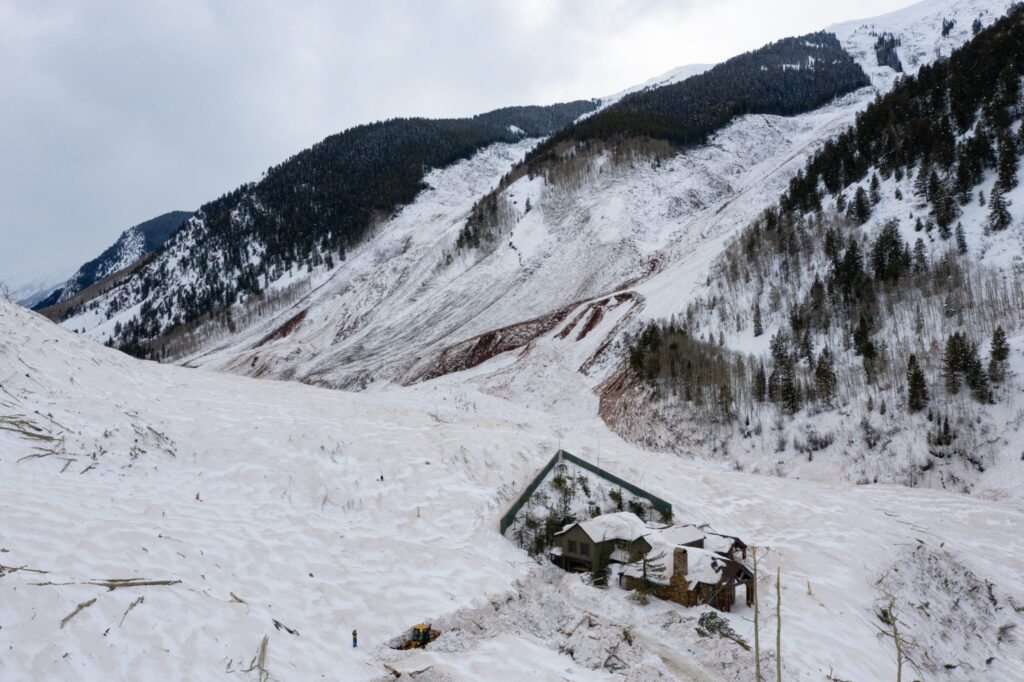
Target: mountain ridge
x=130 y=246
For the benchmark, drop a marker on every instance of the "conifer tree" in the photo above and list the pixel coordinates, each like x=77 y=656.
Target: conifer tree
x=862 y=343
x=825 y=376
x=760 y=382
x=833 y=246
x=961 y=239
x=782 y=385
x=922 y=179
x=953 y=362
x=788 y=388
x=1007 y=165
x=889 y=256
x=933 y=187
x=652 y=569
x=917 y=390
x=977 y=378
x=806 y=347
x=961 y=360
x=758 y=327
x=999 y=351
x=860 y=207
x=920 y=257
x=998 y=214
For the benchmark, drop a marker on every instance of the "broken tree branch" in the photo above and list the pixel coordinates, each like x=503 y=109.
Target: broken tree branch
x=85 y=604
x=130 y=607
x=259 y=661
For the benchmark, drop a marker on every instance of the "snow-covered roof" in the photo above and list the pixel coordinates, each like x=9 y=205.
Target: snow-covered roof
x=682 y=535
x=617 y=526
x=718 y=543
x=703 y=566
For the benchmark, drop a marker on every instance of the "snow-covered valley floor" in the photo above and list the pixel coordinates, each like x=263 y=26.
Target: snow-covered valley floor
x=264 y=500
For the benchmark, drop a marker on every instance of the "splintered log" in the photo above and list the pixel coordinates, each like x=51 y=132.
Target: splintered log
x=114 y=583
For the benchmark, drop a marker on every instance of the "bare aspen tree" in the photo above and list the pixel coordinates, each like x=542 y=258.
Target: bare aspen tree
x=778 y=624
x=757 y=643
x=888 y=617
x=757 y=621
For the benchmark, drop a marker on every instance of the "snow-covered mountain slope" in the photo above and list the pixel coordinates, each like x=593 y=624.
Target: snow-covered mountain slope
x=524 y=317
x=133 y=244
x=869 y=433
x=292 y=515
x=398 y=303
x=919 y=30
x=28 y=289
x=394 y=305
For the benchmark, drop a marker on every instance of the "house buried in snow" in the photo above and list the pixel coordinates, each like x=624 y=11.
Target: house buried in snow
x=699 y=566
x=609 y=538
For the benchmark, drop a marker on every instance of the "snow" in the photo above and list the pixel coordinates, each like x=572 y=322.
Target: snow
x=264 y=498
x=682 y=535
x=702 y=567
x=718 y=543
x=270 y=491
x=676 y=75
x=30 y=287
x=618 y=526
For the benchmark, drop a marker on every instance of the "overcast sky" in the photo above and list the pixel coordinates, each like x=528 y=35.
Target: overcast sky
x=115 y=112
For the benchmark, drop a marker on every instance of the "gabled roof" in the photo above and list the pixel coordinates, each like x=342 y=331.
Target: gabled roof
x=625 y=526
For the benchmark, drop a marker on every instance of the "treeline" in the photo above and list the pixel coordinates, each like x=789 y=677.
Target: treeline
x=788 y=77
x=307 y=211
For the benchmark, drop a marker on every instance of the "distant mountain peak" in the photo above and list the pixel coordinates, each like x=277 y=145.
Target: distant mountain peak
x=133 y=244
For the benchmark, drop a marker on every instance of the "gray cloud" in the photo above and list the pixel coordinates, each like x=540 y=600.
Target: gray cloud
x=115 y=112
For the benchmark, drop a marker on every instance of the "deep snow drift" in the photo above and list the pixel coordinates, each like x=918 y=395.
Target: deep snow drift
x=264 y=500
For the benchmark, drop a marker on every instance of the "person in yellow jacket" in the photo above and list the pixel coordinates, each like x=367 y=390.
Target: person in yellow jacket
x=354 y=639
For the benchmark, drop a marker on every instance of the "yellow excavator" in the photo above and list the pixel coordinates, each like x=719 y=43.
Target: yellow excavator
x=419 y=637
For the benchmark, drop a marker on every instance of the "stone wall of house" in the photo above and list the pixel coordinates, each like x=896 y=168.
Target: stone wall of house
x=678 y=591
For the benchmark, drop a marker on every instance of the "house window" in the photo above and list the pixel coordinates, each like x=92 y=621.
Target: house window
x=572 y=546
x=584 y=549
